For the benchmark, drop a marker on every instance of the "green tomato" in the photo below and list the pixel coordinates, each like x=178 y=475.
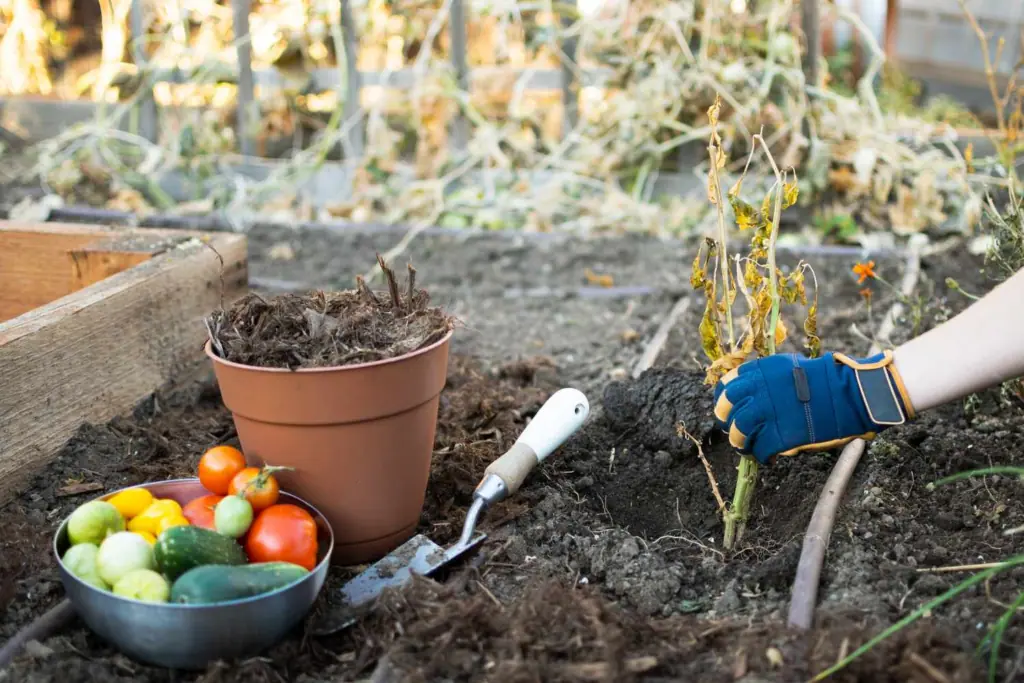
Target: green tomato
x=143 y=584
x=92 y=522
x=80 y=560
x=232 y=516
x=122 y=553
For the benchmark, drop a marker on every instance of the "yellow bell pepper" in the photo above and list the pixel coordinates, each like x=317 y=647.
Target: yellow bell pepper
x=149 y=519
x=167 y=522
x=132 y=502
x=150 y=538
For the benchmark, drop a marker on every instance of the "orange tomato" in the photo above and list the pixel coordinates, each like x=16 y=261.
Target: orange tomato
x=199 y=511
x=283 y=533
x=262 y=491
x=218 y=466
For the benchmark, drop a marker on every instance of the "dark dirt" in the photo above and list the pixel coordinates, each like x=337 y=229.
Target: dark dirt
x=321 y=329
x=607 y=565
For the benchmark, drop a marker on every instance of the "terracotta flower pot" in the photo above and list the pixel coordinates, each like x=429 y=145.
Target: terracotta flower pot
x=359 y=438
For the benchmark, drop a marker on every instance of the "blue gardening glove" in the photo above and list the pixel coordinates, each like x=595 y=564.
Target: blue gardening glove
x=787 y=404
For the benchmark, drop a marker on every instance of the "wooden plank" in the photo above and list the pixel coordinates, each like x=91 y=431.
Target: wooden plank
x=32 y=271
x=96 y=353
x=43 y=262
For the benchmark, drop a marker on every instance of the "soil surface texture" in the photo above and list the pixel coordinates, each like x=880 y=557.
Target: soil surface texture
x=607 y=565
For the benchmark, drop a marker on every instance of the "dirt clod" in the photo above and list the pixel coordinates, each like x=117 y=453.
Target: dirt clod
x=656 y=404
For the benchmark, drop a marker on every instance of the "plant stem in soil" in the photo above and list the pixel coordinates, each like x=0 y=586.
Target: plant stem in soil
x=739 y=512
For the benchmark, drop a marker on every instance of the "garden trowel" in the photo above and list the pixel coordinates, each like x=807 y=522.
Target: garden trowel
x=558 y=419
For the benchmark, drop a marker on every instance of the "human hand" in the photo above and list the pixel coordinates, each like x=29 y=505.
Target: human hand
x=787 y=404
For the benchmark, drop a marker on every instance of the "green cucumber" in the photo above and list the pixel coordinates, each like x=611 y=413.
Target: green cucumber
x=219 y=583
x=181 y=548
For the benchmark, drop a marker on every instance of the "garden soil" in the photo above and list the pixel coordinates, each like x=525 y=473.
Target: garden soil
x=607 y=565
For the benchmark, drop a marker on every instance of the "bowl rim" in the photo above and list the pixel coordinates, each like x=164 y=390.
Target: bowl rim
x=208 y=350
x=322 y=565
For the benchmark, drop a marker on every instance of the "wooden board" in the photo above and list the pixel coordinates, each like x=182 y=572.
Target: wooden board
x=121 y=315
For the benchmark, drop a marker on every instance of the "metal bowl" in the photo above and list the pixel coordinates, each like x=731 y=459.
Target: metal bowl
x=191 y=636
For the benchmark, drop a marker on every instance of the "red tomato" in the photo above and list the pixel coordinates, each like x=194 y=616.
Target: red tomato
x=260 y=494
x=199 y=511
x=283 y=533
x=218 y=466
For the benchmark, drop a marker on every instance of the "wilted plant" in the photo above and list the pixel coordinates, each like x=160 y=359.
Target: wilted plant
x=764 y=287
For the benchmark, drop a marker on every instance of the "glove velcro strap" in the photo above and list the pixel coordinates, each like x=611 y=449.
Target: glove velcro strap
x=882 y=389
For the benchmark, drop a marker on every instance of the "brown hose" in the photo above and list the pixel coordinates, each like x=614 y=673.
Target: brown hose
x=812 y=556
x=49 y=623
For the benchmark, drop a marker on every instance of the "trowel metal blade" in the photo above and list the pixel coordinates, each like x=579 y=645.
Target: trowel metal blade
x=418 y=555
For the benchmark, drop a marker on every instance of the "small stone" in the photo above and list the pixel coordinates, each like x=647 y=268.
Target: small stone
x=888 y=521
x=629 y=335
x=584 y=482
x=663 y=458
x=34 y=648
x=618 y=374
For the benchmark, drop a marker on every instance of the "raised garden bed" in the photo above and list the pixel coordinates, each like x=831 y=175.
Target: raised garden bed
x=93 y=320
x=607 y=565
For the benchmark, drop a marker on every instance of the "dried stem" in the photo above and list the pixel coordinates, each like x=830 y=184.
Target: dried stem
x=772 y=267
x=715 y=153
x=389 y=276
x=681 y=431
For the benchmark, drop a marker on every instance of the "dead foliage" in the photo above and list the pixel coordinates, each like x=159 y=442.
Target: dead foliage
x=328 y=329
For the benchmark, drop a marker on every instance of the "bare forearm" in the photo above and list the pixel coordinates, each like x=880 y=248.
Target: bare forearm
x=981 y=347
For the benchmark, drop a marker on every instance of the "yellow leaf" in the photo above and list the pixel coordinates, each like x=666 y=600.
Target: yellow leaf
x=790 y=192
x=813 y=344
x=709 y=333
x=699 y=274
x=598 y=280
x=747 y=216
x=714 y=110
x=780 y=333
x=723 y=365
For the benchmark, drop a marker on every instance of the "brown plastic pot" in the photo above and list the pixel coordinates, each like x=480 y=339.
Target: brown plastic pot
x=359 y=438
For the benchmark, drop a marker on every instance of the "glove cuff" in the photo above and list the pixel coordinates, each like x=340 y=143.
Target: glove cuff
x=881 y=387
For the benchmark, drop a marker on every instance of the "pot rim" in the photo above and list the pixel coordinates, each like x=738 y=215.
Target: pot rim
x=208 y=349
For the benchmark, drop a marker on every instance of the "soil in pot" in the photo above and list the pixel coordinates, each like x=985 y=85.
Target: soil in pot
x=343 y=388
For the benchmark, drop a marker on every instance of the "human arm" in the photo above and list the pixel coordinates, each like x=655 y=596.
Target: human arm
x=787 y=404
x=981 y=347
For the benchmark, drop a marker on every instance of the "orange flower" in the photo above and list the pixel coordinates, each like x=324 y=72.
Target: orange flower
x=864 y=271
x=866 y=293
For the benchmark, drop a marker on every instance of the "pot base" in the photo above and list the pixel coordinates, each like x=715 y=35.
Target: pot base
x=366 y=552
